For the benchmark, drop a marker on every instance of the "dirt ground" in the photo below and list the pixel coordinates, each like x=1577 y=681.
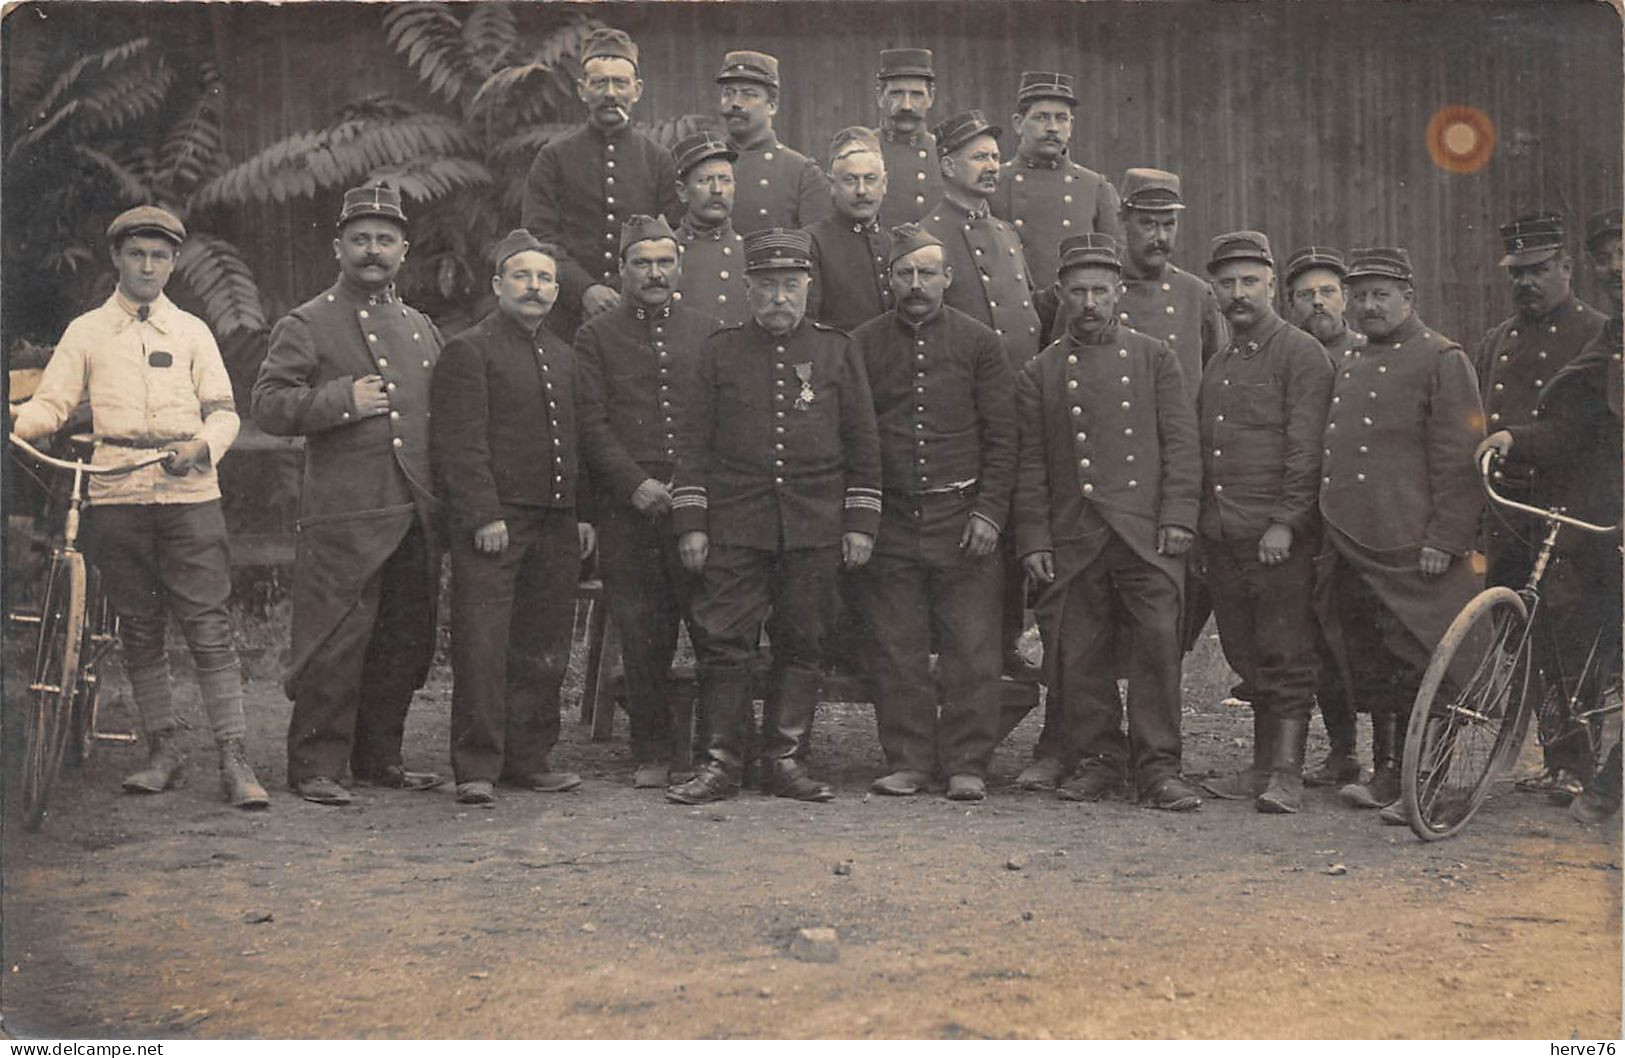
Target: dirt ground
x=609 y=913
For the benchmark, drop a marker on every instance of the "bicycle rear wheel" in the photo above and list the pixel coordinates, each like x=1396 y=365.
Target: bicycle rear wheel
x=56 y=675
x=1470 y=714
x=100 y=637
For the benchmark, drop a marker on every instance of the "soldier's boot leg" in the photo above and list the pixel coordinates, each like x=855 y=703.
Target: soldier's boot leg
x=725 y=696
x=1284 y=795
x=788 y=721
x=1383 y=786
x=1249 y=782
x=154 y=700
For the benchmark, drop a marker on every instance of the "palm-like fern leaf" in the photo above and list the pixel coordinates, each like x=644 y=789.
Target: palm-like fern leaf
x=130 y=184
x=213 y=269
x=192 y=150
x=431 y=38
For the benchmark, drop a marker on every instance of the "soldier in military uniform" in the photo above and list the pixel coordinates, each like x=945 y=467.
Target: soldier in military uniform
x=1399 y=503
x=1105 y=508
x=905 y=88
x=504 y=446
x=1574 y=444
x=1315 y=303
x=777 y=485
x=633 y=364
x=850 y=249
x=1042 y=191
x=583 y=184
x=349 y=369
x=1261 y=410
x=945 y=405
x=1515 y=361
x=777 y=187
x=712 y=277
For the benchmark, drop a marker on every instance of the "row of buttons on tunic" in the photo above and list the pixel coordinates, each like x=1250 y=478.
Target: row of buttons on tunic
x=383 y=361
x=1085 y=463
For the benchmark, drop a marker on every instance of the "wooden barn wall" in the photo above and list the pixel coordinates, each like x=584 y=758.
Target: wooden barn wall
x=1306 y=120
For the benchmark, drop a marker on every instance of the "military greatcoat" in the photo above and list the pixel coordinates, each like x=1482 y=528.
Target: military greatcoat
x=1048 y=201
x=990 y=275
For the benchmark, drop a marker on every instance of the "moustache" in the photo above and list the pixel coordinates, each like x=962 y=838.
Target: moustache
x=371 y=262
x=533 y=297
x=655 y=284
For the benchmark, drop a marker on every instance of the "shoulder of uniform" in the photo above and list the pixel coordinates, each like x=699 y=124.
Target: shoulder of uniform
x=817 y=326
x=1083 y=170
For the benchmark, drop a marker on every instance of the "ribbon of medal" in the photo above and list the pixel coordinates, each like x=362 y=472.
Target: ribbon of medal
x=807 y=396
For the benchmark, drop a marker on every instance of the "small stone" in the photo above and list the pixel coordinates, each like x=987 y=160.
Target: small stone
x=1026 y=916
x=815 y=944
x=1336 y=869
x=479 y=975
x=257 y=916
x=588 y=927
x=1015 y=863
x=765 y=993
x=844 y=868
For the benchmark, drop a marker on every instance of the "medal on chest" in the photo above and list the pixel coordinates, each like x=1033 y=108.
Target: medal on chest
x=807 y=396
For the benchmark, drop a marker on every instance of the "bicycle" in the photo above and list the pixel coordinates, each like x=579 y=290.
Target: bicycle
x=77 y=628
x=1473 y=707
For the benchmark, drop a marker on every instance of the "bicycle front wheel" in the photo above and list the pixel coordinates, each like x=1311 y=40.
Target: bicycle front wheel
x=100 y=637
x=1470 y=713
x=55 y=677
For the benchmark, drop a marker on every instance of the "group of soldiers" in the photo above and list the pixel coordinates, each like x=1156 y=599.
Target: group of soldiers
x=923 y=389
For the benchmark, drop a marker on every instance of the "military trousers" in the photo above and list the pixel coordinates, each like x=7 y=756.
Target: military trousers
x=741 y=588
x=951 y=724
x=1267 y=623
x=511 y=619
x=648 y=593
x=1118 y=581
x=1387 y=681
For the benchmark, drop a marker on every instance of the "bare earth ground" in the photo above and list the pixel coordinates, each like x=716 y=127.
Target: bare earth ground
x=609 y=913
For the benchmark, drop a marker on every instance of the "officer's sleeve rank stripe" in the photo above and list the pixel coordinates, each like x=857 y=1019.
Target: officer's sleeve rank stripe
x=690 y=496
x=862 y=499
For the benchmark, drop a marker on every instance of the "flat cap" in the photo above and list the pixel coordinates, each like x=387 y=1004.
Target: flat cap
x=1391 y=262
x=1307 y=257
x=1089 y=248
x=1531 y=238
x=853 y=139
x=1150 y=189
x=772 y=248
x=375 y=198
x=147 y=220
x=640 y=227
x=517 y=241
x=906 y=62
x=1039 y=84
x=607 y=43
x=1602 y=223
x=906 y=238
x=1239 y=246
x=755 y=66
x=692 y=150
x=961 y=129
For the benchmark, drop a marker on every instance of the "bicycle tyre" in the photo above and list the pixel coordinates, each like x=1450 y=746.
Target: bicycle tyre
x=56 y=674
x=1596 y=689
x=101 y=635
x=1459 y=739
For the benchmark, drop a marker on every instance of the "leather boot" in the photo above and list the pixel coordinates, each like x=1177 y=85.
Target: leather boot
x=1340 y=768
x=1284 y=795
x=165 y=765
x=1249 y=782
x=787 y=723
x=237 y=781
x=725 y=697
x=1383 y=786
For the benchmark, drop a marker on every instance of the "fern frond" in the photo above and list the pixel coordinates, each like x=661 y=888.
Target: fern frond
x=214 y=270
x=489 y=35
x=128 y=185
x=667 y=133
x=431 y=38
x=425 y=179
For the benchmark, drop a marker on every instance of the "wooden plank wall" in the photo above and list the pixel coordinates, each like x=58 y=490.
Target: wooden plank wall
x=1304 y=119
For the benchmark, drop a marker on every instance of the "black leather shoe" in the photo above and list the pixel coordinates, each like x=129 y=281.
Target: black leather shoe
x=396 y=777
x=322 y=791
x=791 y=780
x=1172 y=794
x=1090 y=783
x=1338 y=769
x=709 y=784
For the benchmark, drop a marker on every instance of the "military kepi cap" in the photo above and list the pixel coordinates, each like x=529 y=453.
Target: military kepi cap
x=1096 y=248
x=607 y=43
x=692 y=150
x=1391 y=262
x=906 y=238
x=1306 y=257
x=906 y=62
x=1037 y=84
x=756 y=66
x=1532 y=239
x=853 y=139
x=640 y=227
x=778 y=248
x=961 y=129
x=1151 y=189
x=147 y=220
x=372 y=199
x=1604 y=222
x=517 y=241
x=1239 y=246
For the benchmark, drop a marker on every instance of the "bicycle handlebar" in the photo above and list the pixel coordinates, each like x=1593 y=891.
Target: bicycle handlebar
x=1490 y=457
x=87 y=468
